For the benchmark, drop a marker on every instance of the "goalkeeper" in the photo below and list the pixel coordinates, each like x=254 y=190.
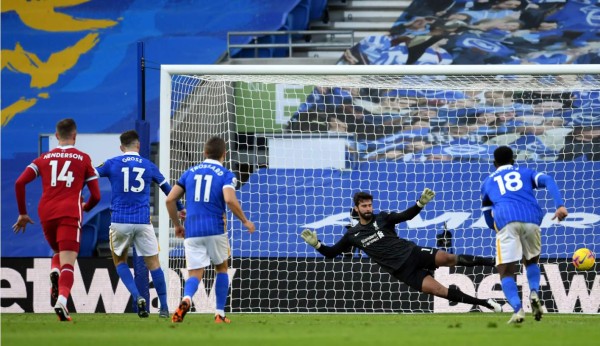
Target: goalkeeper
x=375 y=234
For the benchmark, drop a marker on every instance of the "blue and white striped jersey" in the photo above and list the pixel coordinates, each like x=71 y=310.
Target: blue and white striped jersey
x=130 y=177
x=509 y=193
x=205 y=203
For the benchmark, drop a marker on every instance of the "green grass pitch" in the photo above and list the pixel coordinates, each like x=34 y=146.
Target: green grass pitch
x=300 y=329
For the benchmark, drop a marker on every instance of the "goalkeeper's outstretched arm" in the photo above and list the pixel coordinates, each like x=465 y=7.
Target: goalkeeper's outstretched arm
x=310 y=237
x=413 y=211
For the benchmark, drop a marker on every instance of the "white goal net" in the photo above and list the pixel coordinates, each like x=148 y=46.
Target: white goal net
x=303 y=139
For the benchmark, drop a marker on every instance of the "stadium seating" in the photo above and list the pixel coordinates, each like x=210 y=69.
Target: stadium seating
x=294 y=20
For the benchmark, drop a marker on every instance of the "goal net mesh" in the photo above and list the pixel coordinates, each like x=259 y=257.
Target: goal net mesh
x=301 y=146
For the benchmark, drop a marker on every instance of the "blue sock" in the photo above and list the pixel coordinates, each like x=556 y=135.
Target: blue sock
x=158 y=277
x=127 y=278
x=511 y=292
x=533 y=277
x=221 y=290
x=191 y=286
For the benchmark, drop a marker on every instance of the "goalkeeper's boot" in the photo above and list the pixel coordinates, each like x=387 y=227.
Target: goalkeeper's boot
x=141 y=305
x=536 y=306
x=163 y=313
x=179 y=314
x=221 y=319
x=62 y=312
x=53 y=287
x=517 y=317
x=496 y=307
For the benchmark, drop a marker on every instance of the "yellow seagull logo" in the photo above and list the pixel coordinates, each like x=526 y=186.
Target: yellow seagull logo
x=41 y=15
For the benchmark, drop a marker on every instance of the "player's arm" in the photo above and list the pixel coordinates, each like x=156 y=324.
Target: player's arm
x=544 y=180
x=236 y=209
x=426 y=196
x=486 y=208
x=91 y=179
x=165 y=187
x=94 y=188
x=28 y=175
x=310 y=237
x=172 y=198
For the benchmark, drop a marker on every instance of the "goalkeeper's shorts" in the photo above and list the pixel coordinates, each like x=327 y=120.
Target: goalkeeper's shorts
x=420 y=264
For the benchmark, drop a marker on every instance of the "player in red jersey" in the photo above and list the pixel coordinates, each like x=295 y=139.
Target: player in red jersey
x=64 y=171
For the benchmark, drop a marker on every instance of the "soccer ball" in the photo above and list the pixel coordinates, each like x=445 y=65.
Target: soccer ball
x=583 y=259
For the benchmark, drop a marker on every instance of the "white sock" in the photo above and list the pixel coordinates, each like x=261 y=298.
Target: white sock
x=188 y=298
x=221 y=313
x=61 y=299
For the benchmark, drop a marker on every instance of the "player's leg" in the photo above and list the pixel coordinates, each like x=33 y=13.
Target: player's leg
x=508 y=253
x=416 y=272
x=197 y=259
x=218 y=251
x=160 y=285
x=531 y=241
x=221 y=291
x=445 y=259
x=49 y=229
x=120 y=236
x=431 y=286
x=67 y=236
x=147 y=246
x=189 y=289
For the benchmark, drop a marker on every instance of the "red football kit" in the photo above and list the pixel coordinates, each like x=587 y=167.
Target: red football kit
x=64 y=171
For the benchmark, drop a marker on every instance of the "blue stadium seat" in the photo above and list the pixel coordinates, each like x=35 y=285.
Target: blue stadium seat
x=298 y=18
x=316 y=9
x=257 y=52
x=103 y=225
x=89 y=237
x=280 y=52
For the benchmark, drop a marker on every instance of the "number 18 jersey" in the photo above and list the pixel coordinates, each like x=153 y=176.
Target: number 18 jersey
x=204 y=201
x=509 y=192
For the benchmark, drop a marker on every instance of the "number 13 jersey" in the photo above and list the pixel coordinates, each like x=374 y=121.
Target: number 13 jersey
x=131 y=177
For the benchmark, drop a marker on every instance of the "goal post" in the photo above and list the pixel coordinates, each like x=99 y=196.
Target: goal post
x=304 y=139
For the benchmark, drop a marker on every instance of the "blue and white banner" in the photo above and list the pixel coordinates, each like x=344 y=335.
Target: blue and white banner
x=282 y=202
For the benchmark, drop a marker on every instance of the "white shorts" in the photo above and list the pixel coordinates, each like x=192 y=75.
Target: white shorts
x=201 y=251
x=142 y=236
x=517 y=240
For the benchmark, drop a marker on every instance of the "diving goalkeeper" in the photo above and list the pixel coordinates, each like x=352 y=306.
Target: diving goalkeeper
x=406 y=261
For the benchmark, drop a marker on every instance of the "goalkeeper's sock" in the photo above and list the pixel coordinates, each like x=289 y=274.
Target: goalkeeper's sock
x=127 y=278
x=65 y=281
x=533 y=277
x=55 y=263
x=191 y=286
x=221 y=290
x=471 y=261
x=456 y=295
x=158 y=277
x=511 y=292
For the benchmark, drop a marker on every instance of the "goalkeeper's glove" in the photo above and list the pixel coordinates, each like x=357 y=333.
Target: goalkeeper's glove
x=310 y=237
x=426 y=196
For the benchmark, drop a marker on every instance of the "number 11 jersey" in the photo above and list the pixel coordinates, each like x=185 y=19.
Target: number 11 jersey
x=204 y=201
